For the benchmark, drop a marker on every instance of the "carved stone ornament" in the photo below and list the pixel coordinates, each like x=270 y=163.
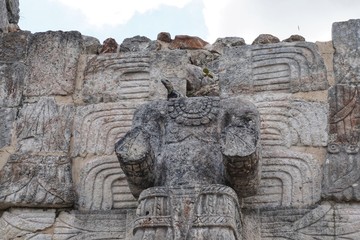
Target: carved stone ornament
x=188 y=160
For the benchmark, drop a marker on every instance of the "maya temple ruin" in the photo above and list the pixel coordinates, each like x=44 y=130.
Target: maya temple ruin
x=176 y=138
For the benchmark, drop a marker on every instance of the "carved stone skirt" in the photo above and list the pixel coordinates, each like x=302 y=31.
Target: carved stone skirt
x=198 y=212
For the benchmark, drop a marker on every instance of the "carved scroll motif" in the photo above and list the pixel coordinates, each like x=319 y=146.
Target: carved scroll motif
x=97 y=127
x=103 y=186
x=111 y=77
x=288 y=68
x=287 y=179
x=288 y=122
x=272 y=68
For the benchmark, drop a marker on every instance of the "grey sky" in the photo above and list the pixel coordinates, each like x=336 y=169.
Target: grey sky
x=208 y=19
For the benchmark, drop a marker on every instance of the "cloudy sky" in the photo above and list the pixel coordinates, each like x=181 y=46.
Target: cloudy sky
x=208 y=19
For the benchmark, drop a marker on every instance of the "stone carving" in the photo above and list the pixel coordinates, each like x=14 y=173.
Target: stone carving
x=341 y=169
x=346 y=57
x=63 y=50
x=44 y=126
x=103 y=186
x=340 y=221
x=191 y=148
x=95 y=225
x=282 y=67
x=288 y=179
x=11 y=84
x=290 y=122
x=113 y=77
x=344 y=117
x=97 y=127
x=342 y=173
x=7 y=116
x=26 y=224
x=36 y=181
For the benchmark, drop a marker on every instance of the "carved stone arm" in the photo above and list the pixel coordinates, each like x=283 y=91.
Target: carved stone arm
x=136 y=159
x=136 y=151
x=241 y=148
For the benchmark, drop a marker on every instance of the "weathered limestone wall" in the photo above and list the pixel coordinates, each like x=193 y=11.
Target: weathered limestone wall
x=63 y=106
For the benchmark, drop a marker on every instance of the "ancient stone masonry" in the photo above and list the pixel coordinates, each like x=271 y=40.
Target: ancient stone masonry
x=265 y=146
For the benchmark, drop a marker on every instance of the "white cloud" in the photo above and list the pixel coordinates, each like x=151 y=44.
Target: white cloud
x=115 y=12
x=282 y=18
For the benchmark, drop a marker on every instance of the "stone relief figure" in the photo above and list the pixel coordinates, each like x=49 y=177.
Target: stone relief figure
x=189 y=161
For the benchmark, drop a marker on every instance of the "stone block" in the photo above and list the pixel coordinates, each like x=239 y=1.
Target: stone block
x=36 y=181
x=341 y=170
x=103 y=185
x=114 y=77
x=325 y=221
x=13 y=46
x=44 y=126
x=287 y=121
x=344 y=116
x=170 y=65
x=92 y=225
x=52 y=61
x=346 y=38
x=341 y=176
x=26 y=224
x=97 y=127
x=11 y=84
x=278 y=68
x=288 y=179
x=7 y=116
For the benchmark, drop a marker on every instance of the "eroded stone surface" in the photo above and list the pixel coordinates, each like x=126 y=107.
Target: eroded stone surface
x=286 y=121
x=103 y=185
x=113 y=77
x=97 y=127
x=94 y=225
x=36 y=181
x=135 y=44
x=7 y=116
x=44 y=126
x=325 y=221
x=187 y=42
x=52 y=62
x=265 y=39
x=109 y=46
x=341 y=169
x=272 y=68
x=288 y=179
x=13 y=46
x=346 y=37
x=11 y=84
x=26 y=224
x=184 y=152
